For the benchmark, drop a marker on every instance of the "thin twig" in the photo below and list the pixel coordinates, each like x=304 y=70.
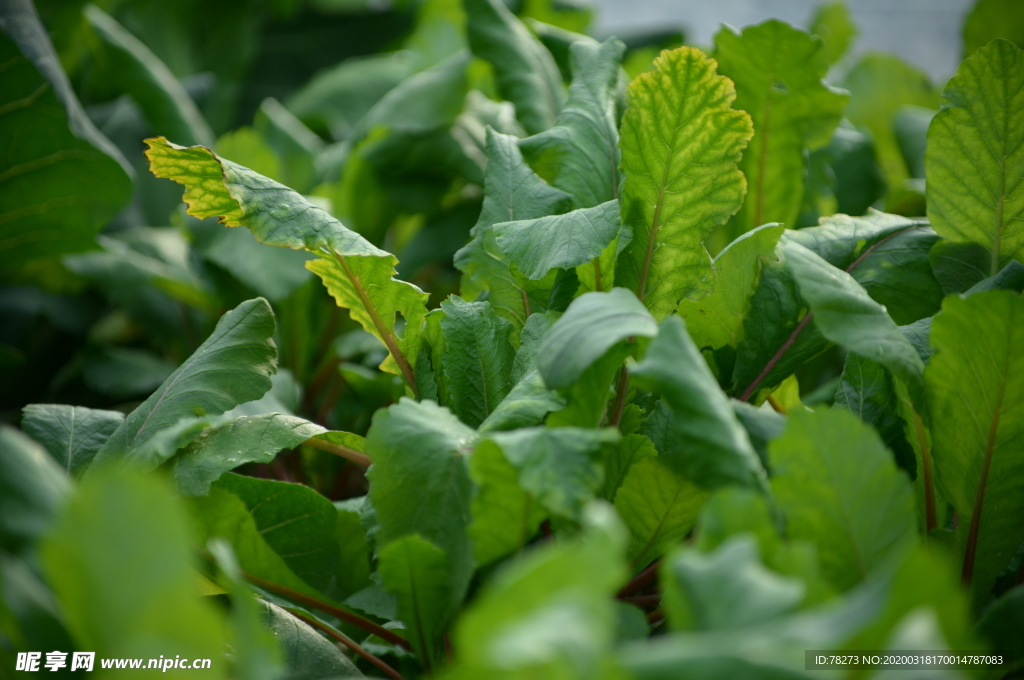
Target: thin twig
x=643 y=600
x=348 y=643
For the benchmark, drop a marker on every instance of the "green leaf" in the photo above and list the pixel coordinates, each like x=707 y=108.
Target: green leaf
x=911 y=127
x=991 y=19
x=735 y=512
x=975 y=390
x=223 y=515
x=867 y=391
x=257 y=655
x=880 y=84
x=477 y=358
x=242 y=440
x=232 y=366
x=559 y=466
x=357 y=274
x=958 y=266
x=295 y=521
x=72 y=434
x=549 y=614
x=777 y=70
x=525 y=72
x=417 y=572
x=839 y=488
x=580 y=153
x=336 y=98
x=923 y=579
x=296 y=146
x=975 y=159
x=505 y=516
x=353 y=571
x=716 y=320
x=33 y=490
x=524 y=406
x=512 y=191
x=274 y=273
x=135 y=70
x=592 y=325
x=619 y=460
x=658 y=507
x=307 y=655
x=680 y=145
x=845 y=314
x=1005 y=616
x=120 y=560
x=62 y=179
x=537 y=246
x=123 y=372
x=708 y=445
x=834 y=25
x=726 y=589
x=420 y=484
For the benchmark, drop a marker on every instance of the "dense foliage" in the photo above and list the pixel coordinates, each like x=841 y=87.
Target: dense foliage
x=493 y=350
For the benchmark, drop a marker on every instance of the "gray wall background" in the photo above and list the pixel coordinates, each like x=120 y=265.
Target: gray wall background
x=925 y=33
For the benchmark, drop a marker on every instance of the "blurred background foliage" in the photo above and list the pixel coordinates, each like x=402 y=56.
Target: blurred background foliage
x=378 y=111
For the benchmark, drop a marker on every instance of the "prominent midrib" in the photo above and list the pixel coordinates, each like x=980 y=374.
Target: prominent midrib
x=979 y=499
x=378 y=323
x=1000 y=201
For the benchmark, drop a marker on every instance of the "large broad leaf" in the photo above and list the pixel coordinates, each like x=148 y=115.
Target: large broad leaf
x=840 y=489
x=512 y=191
x=777 y=70
x=975 y=391
x=33 y=490
x=420 y=484
x=61 y=179
x=991 y=19
x=726 y=589
x=680 y=144
x=658 y=507
x=879 y=85
x=975 y=155
x=708 y=444
x=592 y=325
x=559 y=241
x=1002 y=619
x=357 y=274
x=716 y=320
x=307 y=655
x=580 y=154
x=120 y=559
x=295 y=522
x=223 y=515
x=72 y=434
x=558 y=466
x=416 y=572
x=525 y=72
x=477 y=358
x=134 y=69
x=505 y=516
x=232 y=366
x=549 y=614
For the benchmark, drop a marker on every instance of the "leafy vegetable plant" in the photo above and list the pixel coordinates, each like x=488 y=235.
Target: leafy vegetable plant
x=682 y=399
